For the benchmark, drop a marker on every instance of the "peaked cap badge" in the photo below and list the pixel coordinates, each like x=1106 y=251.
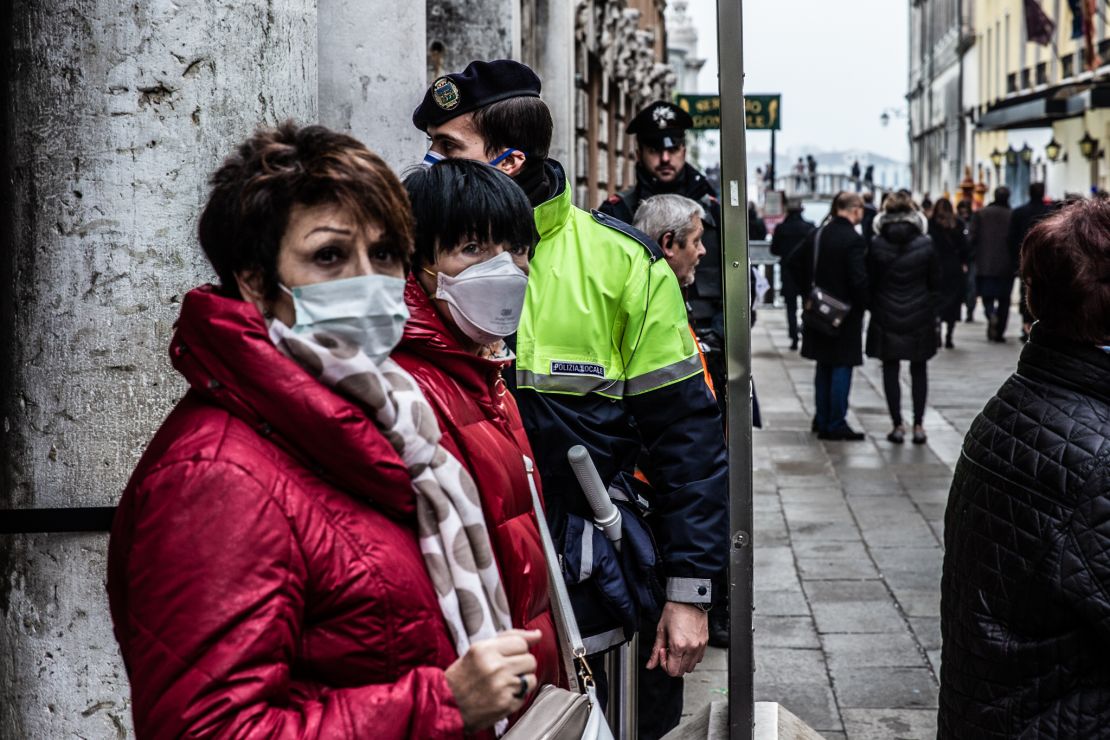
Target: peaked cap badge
x=662 y=116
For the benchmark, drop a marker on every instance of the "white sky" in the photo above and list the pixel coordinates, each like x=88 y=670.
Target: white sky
x=838 y=65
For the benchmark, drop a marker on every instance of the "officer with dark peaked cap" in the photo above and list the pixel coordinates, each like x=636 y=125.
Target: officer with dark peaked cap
x=601 y=361
x=661 y=167
x=660 y=130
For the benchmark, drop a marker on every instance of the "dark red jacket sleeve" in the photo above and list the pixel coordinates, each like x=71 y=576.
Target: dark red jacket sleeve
x=208 y=584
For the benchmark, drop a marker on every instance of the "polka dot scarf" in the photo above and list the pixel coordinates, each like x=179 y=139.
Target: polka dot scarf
x=452 y=527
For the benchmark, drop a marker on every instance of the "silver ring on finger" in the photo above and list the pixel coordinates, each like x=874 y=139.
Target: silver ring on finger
x=523 y=690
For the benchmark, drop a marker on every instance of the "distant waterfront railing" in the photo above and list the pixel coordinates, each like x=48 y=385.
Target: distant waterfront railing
x=820 y=185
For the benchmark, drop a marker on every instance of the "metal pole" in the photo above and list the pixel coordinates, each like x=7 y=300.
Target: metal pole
x=772 y=159
x=621 y=670
x=737 y=301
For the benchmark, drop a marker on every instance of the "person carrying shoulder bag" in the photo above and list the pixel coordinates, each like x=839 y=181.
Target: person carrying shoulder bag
x=837 y=266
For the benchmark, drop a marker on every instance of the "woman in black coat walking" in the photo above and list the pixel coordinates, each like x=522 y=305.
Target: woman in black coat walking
x=949 y=236
x=904 y=275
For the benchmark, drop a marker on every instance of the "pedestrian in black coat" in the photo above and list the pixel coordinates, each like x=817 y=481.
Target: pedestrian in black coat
x=1025 y=606
x=904 y=275
x=994 y=265
x=1023 y=219
x=841 y=271
x=949 y=235
x=788 y=236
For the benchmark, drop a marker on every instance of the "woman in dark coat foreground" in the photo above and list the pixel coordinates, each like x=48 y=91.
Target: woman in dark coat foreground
x=904 y=275
x=949 y=236
x=1025 y=608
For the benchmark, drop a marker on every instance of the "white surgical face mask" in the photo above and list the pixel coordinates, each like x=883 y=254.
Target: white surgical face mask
x=485 y=299
x=368 y=311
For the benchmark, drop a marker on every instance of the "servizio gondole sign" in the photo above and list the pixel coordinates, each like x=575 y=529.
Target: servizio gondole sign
x=762 y=112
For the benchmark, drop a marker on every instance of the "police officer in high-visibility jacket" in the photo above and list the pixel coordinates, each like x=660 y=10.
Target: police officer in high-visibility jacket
x=604 y=359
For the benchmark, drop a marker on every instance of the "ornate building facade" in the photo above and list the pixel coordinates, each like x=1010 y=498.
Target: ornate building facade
x=619 y=67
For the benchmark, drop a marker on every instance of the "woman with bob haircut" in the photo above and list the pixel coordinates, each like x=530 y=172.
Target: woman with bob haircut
x=298 y=554
x=1025 y=607
x=474 y=236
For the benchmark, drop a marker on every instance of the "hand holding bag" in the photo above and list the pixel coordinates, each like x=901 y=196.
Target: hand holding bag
x=822 y=312
x=557 y=713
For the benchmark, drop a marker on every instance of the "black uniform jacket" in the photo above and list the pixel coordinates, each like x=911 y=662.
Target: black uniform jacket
x=1025 y=595
x=704 y=296
x=841 y=271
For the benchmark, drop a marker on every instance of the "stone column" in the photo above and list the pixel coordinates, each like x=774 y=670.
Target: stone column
x=461 y=31
x=373 y=74
x=555 y=66
x=115 y=114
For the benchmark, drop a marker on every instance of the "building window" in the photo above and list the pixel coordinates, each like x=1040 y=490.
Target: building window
x=1011 y=82
x=1067 y=66
x=1042 y=73
x=1026 y=78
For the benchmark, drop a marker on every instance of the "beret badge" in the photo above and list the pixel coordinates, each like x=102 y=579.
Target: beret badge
x=445 y=93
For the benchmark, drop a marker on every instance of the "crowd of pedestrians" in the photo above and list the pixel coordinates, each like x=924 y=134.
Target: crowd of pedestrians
x=916 y=270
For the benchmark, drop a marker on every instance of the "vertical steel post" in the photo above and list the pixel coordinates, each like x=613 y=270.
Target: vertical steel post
x=737 y=302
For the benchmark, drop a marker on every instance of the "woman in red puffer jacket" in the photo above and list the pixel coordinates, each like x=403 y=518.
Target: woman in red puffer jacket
x=474 y=234
x=265 y=576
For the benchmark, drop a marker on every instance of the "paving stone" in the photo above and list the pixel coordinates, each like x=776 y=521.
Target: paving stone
x=927 y=630
x=782 y=603
x=829 y=568
x=785 y=632
x=790 y=665
x=824 y=531
x=910 y=567
x=856 y=616
x=884 y=688
x=814 y=704
x=891 y=649
x=890 y=724
x=918 y=602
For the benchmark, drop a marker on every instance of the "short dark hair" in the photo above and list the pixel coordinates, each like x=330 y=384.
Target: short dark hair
x=522 y=123
x=1065 y=263
x=460 y=199
x=1036 y=192
x=1002 y=195
x=844 y=200
x=275 y=169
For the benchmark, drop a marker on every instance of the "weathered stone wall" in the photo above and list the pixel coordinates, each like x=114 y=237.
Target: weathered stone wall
x=115 y=113
x=460 y=31
x=372 y=74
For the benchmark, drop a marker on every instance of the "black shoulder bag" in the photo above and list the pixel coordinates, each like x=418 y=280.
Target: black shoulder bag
x=822 y=312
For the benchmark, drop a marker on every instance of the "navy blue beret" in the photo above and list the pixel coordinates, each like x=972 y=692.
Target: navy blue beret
x=660 y=124
x=480 y=84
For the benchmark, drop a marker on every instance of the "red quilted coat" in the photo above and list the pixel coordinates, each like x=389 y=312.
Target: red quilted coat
x=264 y=573
x=482 y=429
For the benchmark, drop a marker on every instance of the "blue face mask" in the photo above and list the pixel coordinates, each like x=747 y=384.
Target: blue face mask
x=433 y=158
x=368 y=311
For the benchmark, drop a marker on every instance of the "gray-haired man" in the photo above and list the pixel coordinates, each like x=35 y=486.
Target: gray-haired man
x=675 y=223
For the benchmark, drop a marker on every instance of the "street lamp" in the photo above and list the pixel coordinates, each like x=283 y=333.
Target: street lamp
x=1011 y=155
x=996 y=158
x=1088 y=145
x=1052 y=150
x=1026 y=153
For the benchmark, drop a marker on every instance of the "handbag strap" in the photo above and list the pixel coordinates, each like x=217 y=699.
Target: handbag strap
x=816 y=252
x=560 y=601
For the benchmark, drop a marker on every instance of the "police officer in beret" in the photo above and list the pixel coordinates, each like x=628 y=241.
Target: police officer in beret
x=661 y=167
x=602 y=361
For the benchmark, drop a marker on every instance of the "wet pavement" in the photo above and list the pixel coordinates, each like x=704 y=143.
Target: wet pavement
x=848 y=541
